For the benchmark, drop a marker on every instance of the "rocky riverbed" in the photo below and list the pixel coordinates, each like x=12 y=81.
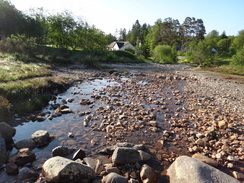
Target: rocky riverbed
x=162 y=112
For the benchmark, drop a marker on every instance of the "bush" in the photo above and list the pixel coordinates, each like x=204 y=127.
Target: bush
x=5 y=107
x=18 y=44
x=238 y=58
x=165 y=54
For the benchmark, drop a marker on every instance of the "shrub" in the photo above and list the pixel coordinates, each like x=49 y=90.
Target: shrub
x=5 y=108
x=18 y=43
x=238 y=58
x=165 y=54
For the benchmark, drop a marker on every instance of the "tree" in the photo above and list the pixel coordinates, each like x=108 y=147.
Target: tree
x=122 y=35
x=223 y=45
x=60 y=27
x=12 y=21
x=238 y=58
x=165 y=54
x=133 y=35
x=238 y=42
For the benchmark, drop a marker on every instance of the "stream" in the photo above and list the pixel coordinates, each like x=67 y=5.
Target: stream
x=131 y=91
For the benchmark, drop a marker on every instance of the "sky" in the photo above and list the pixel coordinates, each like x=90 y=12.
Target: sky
x=109 y=15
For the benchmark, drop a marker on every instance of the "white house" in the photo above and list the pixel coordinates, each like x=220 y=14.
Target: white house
x=120 y=45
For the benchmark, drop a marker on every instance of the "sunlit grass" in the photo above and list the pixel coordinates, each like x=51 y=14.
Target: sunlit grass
x=12 y=70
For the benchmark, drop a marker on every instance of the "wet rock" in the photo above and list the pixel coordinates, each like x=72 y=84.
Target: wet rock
x=148 y=175
x=66 y=111
x=187 y=169
x=114 y=178
x=22 y=157
x=123 y=155
x=27 y=175
x=3 y=154
x=41 y=137
x=85 y=102
x=71 y=135
x=205 y=159
x=6 y=131
x=59 y=169
x=62 y=151
x=25 y=143
x=79 y=154
x=12 y=168
x=40 y=118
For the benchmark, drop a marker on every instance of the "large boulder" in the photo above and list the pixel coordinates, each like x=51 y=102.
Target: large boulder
x=6 y=131
x=62 y=170
x=123 y=155
x=41 y=137
x=190 y=170
x=25 y=143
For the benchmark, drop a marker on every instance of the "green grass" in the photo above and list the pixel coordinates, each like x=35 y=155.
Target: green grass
x=12 y=70
x=225 y=66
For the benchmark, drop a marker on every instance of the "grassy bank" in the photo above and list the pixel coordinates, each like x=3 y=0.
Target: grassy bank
x=225 y=65
x=27 y=82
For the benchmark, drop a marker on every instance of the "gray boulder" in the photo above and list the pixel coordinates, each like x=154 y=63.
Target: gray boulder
x=41 y=137
x=114 y=178
x=25 y=143
x=62 y=151
x=6 y=131
x=123 y=155
x=62 y=170
x=190 y=170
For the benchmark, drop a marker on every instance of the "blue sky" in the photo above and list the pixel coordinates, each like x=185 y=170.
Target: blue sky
x=109 y=15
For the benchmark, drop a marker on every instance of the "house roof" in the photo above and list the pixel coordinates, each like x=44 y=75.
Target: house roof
x=119 y=43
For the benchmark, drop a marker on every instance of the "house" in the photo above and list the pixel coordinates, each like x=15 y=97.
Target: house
x=120 y=45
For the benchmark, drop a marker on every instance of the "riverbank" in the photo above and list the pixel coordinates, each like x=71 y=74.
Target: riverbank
x=173 y=110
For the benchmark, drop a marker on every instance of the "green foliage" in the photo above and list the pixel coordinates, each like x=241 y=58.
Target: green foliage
x=165 y=54
x=18 y=43
x=238 y=42
x=223 y=46
x=5 y=108
x=238 y=58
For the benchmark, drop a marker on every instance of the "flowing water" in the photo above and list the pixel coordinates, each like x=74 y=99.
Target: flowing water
x=91 y=141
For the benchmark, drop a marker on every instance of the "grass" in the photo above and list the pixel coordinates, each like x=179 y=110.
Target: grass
x=26 y=82
x=225 y=66
x=13 y=70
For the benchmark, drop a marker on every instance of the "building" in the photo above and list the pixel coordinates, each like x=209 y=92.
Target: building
x=120 y=45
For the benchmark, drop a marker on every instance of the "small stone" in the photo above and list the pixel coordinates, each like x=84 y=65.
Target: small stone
x=222 y=124
x=71 y=135
x=230 y=165
x=232 y=158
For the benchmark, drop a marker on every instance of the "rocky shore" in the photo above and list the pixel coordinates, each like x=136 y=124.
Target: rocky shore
x=161 y=123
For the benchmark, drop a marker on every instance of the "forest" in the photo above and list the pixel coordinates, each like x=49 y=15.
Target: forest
x=162 y=42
